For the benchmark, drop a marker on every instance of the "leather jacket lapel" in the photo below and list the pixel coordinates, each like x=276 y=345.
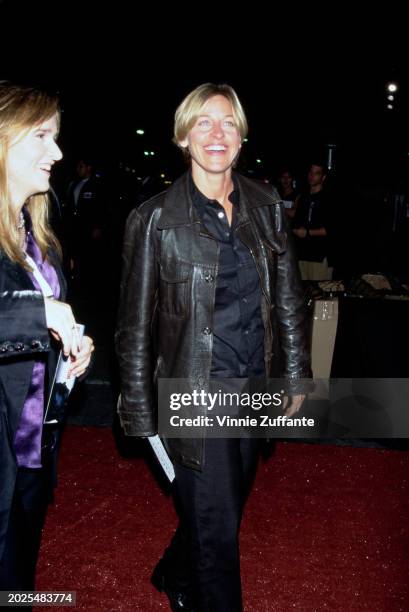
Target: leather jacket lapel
x=259 y=205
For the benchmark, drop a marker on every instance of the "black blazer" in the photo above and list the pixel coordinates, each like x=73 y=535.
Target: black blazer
x=23 y=335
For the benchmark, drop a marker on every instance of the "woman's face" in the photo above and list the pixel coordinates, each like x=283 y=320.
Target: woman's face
x=30 y=159
x=214 y=141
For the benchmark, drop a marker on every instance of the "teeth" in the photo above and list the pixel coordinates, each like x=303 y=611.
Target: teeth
x=216 y=148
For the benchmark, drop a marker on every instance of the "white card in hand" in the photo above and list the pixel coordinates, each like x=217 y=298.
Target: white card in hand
x=64 y=364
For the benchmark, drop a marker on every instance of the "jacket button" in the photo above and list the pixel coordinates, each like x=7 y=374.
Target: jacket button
x=35 y=344
x=3 y=349
x=207 y=331
x=19 y=346
x=209 y=278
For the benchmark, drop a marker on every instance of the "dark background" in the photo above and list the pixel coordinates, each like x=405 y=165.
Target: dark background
x=307 y=76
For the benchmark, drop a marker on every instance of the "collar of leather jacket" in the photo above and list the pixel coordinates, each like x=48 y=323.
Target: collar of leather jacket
x=179 y=210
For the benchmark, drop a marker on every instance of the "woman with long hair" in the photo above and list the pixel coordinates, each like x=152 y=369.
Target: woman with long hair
x=35 y=325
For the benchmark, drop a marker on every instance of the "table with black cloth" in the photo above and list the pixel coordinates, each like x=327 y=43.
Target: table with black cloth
x=372 y=339
x=371 y=342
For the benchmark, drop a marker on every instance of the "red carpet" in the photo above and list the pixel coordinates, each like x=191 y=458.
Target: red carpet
x=326 y=528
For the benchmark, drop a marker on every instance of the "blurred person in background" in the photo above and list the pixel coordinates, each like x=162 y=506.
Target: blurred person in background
x=86 y=215
x=287 y=192
x=311 y=226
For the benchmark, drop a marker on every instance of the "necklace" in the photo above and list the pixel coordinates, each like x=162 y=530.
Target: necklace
x=21 y=228
x=21 y=223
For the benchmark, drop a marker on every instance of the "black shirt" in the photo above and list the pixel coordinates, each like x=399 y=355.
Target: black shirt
x=312 y=213
x=238 y=331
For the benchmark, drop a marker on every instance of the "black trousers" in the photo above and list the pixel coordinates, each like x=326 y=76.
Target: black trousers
x=204 y=552
x=22 y=544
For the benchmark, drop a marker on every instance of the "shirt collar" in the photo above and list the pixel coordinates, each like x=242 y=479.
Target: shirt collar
x=201 y=201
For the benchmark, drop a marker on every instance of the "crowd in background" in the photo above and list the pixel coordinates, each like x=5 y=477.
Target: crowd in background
x=343 y=225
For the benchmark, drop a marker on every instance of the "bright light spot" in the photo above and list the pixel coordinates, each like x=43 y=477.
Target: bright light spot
x=258 y=161
x=389 y=107
x=140 y=132
x=392 y=87
x=245 y=139
x=146 y=152
x=391 y=98
x=152 y=153
x=162 y=176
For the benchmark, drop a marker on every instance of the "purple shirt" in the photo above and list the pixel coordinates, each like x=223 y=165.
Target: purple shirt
x=27 y=442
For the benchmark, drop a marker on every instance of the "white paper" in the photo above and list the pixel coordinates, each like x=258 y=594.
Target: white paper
x=162 y=457
x=64 y=365
x=61 y=373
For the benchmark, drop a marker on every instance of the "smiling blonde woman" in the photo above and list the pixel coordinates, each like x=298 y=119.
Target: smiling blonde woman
x=210 y=291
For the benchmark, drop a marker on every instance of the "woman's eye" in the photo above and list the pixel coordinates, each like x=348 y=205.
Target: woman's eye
x=229 y=123
x=204 y=123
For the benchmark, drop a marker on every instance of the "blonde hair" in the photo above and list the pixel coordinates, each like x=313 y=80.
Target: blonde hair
x=21 y=109
x=189 y=110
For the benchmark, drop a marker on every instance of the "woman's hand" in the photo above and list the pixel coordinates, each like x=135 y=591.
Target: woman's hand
x=60 y=321
x=80 y=362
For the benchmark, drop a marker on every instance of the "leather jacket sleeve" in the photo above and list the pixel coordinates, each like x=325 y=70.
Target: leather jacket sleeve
x=133 y=338
x=291 y=318
x=23 y=328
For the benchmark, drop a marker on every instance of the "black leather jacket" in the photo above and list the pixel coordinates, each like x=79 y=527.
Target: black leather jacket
x=170 y=266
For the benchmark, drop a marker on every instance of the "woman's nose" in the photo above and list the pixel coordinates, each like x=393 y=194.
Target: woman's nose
x=56 y=152
x=217 y=130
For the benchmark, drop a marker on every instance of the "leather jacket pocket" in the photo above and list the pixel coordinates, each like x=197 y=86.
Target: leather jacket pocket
x=174 y=293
